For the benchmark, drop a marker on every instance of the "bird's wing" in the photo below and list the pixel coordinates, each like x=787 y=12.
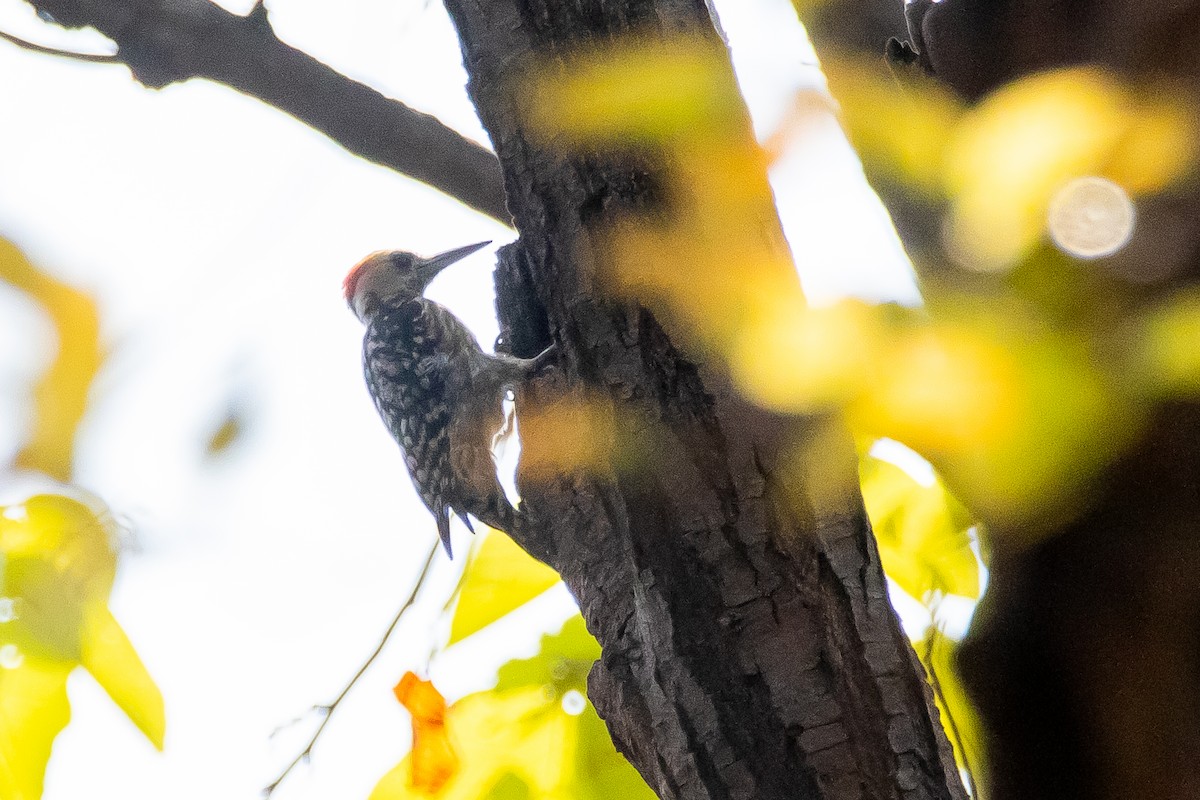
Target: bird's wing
x=479 y=418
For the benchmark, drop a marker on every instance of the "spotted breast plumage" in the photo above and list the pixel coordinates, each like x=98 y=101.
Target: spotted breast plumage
x=440 y=396
x=418 y=384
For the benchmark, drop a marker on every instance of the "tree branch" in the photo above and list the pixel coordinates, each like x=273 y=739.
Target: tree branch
x=326 y=711
x=165 y=43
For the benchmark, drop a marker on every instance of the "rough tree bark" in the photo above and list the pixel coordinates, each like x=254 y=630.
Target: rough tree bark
x=1085 y=655
x=749 y=649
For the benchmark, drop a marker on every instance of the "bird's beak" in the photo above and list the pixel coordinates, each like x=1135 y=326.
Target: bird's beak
x=430 y=267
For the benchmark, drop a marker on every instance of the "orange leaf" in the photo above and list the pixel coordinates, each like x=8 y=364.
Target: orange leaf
x=433 y=758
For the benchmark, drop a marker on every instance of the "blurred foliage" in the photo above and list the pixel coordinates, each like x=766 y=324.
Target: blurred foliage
x=1050 y=329
x=923 y=532
x=959 y=717
x=568 y=435
x=228 y=433
x=59 y=560
x=717 y=257
x=683 y=86
x=533 y=736
x=60 y=397
x=1021 y=388
x=998 y=164
x=499 y=577
x=1165 y=346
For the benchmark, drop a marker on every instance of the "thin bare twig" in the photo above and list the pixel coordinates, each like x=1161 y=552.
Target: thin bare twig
x=95 y=58
x=164 y=42
x=327 y=710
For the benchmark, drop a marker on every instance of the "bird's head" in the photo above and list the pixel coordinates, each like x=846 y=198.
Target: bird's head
x=395 y=275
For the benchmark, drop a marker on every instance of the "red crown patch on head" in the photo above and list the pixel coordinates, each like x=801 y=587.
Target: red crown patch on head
x=354 y=276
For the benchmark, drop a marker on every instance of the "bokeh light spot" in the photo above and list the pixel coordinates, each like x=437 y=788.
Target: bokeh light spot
x=573 y=703
x=11 y=657
x=14 y=513
x=1091 y=218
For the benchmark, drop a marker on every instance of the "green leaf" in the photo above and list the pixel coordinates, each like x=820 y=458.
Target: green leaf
x=509 y=786
x=499 y=578
x=562 y=664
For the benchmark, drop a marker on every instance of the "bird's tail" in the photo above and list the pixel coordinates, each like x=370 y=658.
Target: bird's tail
x=443 y=526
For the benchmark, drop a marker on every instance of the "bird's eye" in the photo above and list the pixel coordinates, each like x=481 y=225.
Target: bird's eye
x=402 y=261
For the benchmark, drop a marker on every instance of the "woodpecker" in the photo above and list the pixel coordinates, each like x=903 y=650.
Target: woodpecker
x=440 y=396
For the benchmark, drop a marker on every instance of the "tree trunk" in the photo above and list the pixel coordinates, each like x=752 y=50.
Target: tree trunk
x=749 y=648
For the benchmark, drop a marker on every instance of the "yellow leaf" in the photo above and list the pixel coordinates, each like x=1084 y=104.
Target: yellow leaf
x=1013 y=152
x=1017 y=415
x=569 y=434
x=79 y=537
x=499 y=578
x=59 y=559
x=897 y=126
x=1166 y=356
x=1016 y=148
x=959 y=718
x=33 y=709
x=635 y=91
x=493 y=740
x=921 y=531
x=60 y=555
x=942 y=389
x=112 y=661
x=231 y=430
x=804 y=6
x=561 y=666
x=792 y=358
x=61 y=395
x=534 y=736
x=1161 y=145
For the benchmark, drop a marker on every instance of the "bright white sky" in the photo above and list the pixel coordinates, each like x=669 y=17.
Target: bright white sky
x=215 y=232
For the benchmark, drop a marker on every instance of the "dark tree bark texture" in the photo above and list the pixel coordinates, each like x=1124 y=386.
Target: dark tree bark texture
x=749 y=648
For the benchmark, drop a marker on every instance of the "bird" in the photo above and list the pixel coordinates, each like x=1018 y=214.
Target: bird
x=438 y=393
